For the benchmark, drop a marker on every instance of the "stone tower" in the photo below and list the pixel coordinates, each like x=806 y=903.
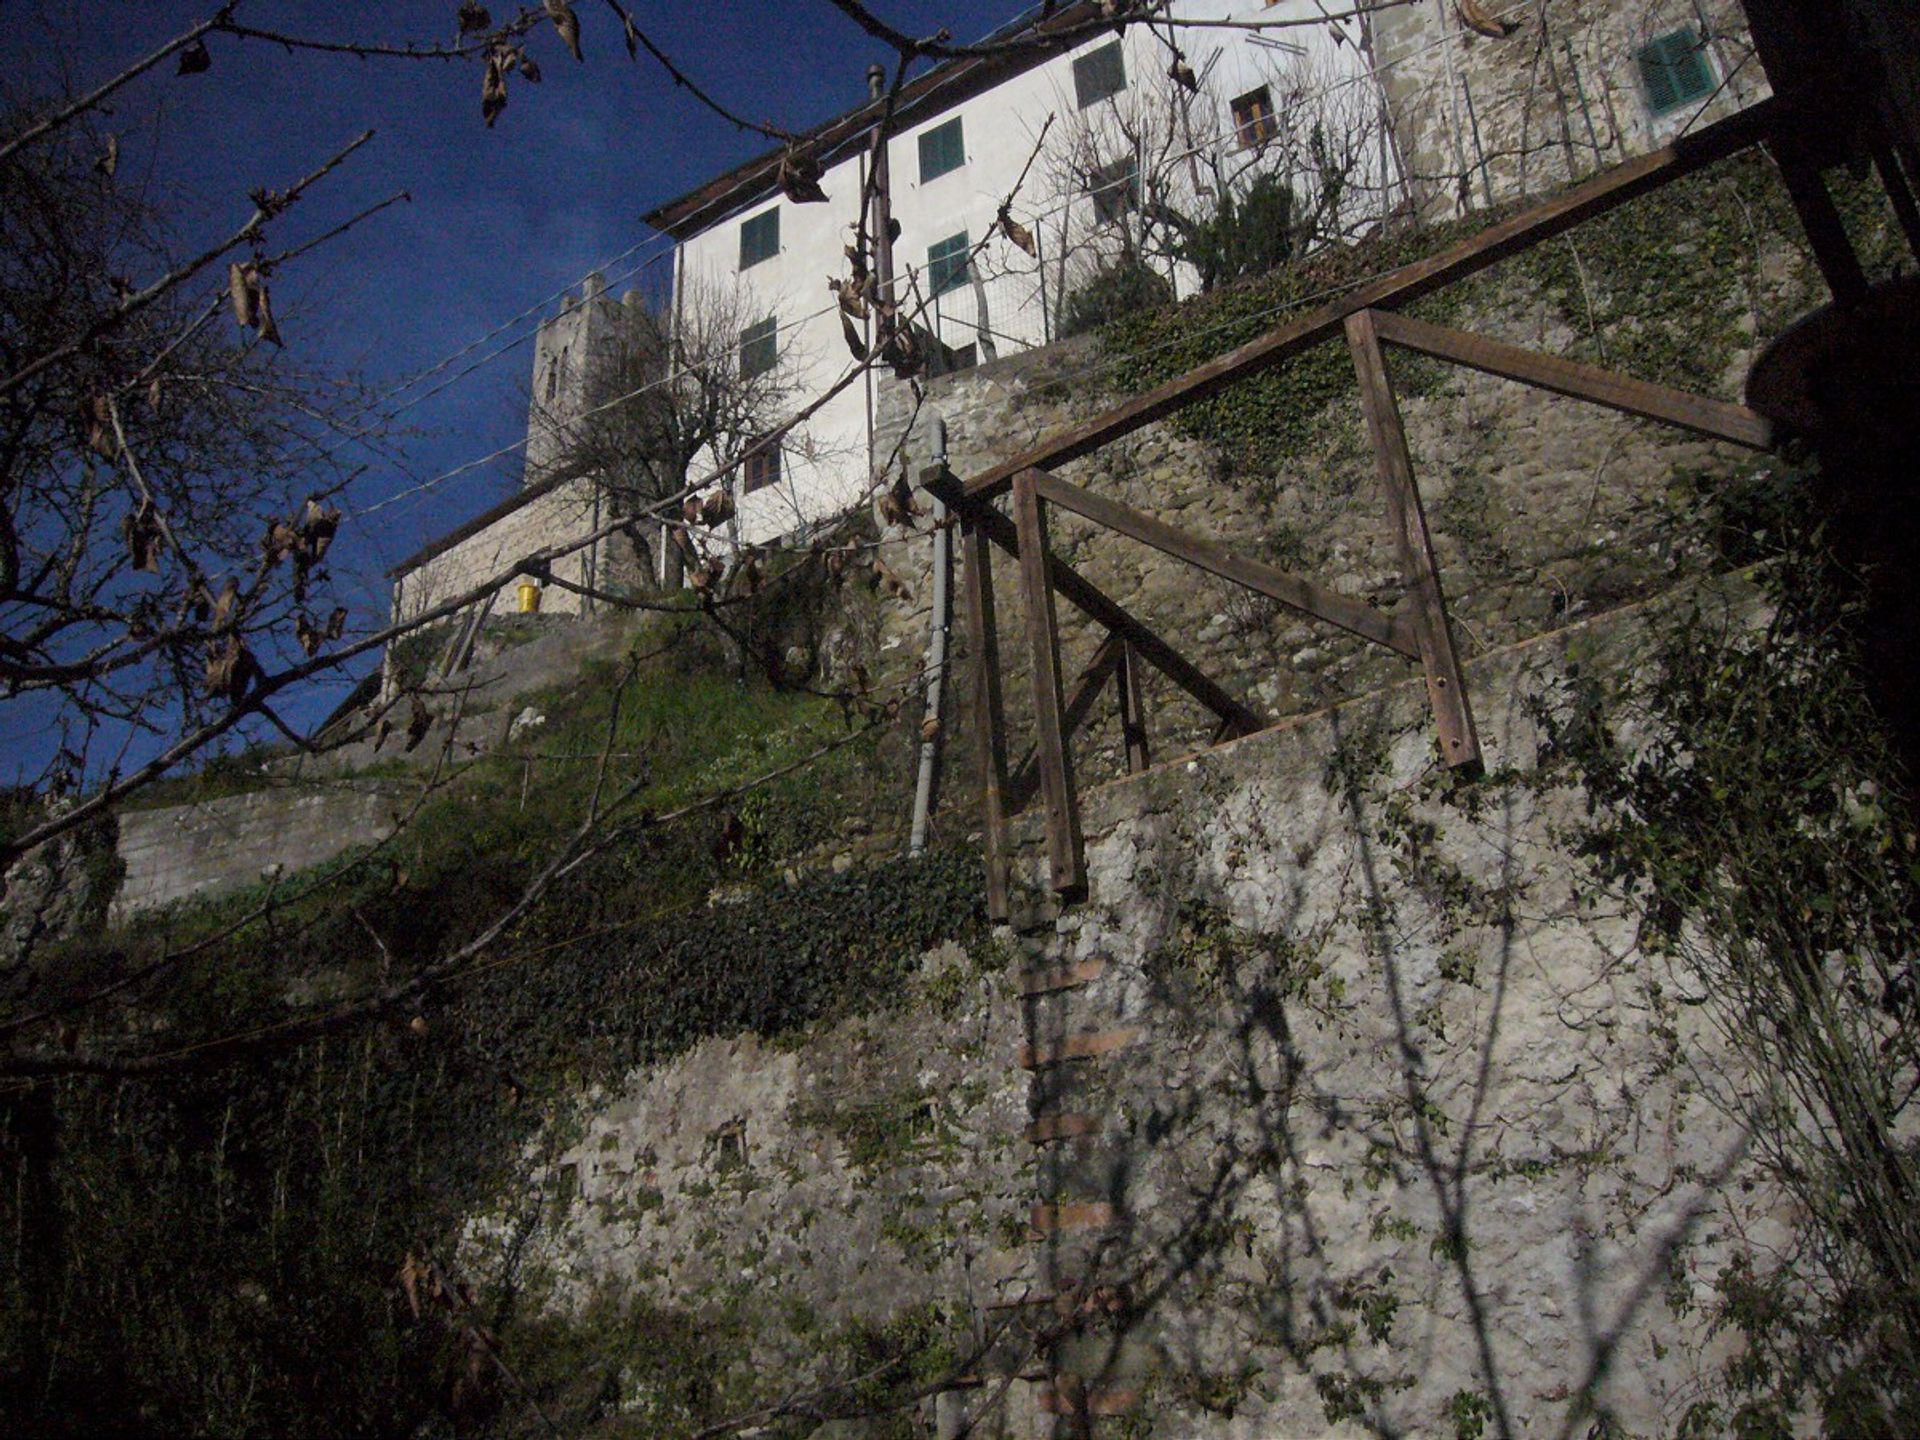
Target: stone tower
x=573 y=356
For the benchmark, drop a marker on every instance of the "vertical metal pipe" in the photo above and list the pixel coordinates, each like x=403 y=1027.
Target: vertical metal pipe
x=939 y=622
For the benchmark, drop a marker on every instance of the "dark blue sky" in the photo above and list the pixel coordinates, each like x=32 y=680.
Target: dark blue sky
x=500 y=218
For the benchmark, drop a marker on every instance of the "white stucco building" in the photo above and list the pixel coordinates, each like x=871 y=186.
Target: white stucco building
x=1102 y=145
x=1108 y=141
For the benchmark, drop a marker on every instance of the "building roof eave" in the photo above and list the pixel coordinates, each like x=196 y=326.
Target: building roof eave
x=946 y=85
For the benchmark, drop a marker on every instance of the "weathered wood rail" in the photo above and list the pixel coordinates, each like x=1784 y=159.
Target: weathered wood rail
x=1418 y=629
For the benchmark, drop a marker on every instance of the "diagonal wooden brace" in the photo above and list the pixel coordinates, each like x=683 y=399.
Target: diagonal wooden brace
x=1293 y=591
x=1716 y=419
x=1459 y=743
x=1086 y=689
x=1090 y=598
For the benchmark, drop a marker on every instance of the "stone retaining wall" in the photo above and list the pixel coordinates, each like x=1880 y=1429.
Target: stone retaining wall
x=1381 y=1125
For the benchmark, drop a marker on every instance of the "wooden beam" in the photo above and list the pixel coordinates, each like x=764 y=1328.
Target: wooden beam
x=1604 y=192
x=1293 y=591
x=1459 y=744
x=1065 y=860
x=1833 y=250
x=989 y=715
x=1094 y=601
x=1713 y=418
x=1900 y=193
x=1133 y=711
x=1086 y=689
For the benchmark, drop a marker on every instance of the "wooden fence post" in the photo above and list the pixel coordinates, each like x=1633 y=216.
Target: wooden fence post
x=1833 y=252
x=1064 y=846
x=1459 y=743
x=989 y=715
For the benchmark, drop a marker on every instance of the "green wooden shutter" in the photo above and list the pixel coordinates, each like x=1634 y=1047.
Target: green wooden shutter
x=942 y=148
x=759 y=348
x=760 y=238
x=947 y=264
x=1675 y=71
x=1099 y=74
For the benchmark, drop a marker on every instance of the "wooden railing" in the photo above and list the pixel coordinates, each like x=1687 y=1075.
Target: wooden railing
x=1418 y=629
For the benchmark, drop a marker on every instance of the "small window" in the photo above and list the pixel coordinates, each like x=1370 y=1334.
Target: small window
x=761 y=470
x=759 y=348
x=942 y=148
x=1253 y=119
x=1099 y=74
x=1115 y=189
x=947 y=264
x=760 y=237
x=949 y=358
x=1675 y=70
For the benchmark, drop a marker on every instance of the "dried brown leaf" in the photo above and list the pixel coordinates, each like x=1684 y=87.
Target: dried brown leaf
x=419 y=721
x=143 y=533
x=567 y=23
x=1477 y=18
x=318 y=525
x=226 y=607
x=231 y=671
x=267 y=330
x=850 y=332
x=799 y=178
x=493 y=90
x=1016 y=232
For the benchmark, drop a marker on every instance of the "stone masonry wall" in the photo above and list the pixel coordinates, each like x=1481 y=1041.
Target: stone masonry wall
x=864 y=1170
x=1387 y=1125
x=1481 y=121
x=567 y=512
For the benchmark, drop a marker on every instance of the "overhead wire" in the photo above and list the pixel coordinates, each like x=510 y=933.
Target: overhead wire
x=1065 y=202
x=661 y=512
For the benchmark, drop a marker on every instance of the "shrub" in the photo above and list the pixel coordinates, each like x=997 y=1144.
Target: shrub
x=1126 y=287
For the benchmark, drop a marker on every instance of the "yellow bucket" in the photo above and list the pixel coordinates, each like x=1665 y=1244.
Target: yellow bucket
x=529 y=598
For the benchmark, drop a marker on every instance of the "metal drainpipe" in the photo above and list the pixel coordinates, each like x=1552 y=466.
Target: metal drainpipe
x=939 y=622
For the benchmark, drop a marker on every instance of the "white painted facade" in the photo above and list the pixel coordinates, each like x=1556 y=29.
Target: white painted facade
x=1427 y=118
x=1010 y=301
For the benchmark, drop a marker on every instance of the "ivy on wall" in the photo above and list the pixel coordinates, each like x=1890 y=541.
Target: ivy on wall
x=1666 y=288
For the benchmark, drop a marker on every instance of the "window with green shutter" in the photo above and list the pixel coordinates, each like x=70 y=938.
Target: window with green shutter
x=760 y=237
x=1675 y=70
x=759 y=348
x=947 y=264
x=1099 y=74
x=942 y=148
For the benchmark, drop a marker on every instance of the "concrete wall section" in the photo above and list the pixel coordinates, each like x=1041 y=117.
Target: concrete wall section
x=185 y=852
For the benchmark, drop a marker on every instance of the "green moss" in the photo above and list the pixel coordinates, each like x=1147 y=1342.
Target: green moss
x=304 y=1174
